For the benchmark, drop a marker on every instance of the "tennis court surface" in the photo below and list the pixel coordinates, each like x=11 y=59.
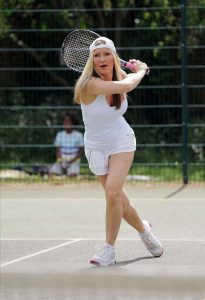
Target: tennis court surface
x=48 y=234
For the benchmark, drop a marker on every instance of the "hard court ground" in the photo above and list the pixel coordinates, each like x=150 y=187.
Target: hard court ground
x=48 y=234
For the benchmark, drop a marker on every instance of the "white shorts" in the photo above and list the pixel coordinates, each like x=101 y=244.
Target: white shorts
x=98 y=158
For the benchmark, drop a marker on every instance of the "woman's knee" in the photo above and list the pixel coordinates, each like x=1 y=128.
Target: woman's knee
x=113 y=196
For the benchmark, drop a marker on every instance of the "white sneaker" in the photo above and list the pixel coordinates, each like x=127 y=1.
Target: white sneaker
x=152 y=244
x=105 y=257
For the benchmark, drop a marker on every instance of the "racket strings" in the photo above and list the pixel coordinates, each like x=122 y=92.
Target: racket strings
x=75 y=49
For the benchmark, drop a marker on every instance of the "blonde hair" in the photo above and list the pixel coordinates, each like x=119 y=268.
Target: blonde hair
x=80 y=90
x=80 y=87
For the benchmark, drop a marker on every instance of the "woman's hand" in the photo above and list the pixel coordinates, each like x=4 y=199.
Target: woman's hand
x=138 y=65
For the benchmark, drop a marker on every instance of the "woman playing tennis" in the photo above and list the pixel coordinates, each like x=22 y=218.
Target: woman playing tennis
x=110 y=142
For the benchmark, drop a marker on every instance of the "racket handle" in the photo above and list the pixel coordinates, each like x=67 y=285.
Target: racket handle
x=128 y=65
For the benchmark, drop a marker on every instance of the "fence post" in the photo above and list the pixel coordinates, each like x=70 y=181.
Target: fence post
x=184 y=92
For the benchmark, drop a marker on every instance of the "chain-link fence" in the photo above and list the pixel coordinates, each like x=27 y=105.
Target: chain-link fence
x=166 y=111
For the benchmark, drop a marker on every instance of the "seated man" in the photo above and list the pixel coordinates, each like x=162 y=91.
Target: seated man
x=69 y=143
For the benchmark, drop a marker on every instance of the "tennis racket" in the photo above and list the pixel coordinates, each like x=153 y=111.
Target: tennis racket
x=75 y=50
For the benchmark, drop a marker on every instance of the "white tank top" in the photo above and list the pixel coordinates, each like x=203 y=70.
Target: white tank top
x=103 y=123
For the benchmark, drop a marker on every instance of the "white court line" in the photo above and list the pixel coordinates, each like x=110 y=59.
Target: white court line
x=38 y=253
x=74 y=241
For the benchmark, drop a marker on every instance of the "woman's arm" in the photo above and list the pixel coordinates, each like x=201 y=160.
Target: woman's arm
x=129 y=82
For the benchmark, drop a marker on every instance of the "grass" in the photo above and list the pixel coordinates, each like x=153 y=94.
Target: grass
x=138 y=173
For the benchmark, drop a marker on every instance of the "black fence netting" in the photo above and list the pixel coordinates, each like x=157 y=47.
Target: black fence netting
x=166 y=111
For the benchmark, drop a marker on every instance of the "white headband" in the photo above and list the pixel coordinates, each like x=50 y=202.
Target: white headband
x=102 y=42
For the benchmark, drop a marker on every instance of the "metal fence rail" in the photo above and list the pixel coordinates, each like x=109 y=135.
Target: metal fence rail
x=166 y=111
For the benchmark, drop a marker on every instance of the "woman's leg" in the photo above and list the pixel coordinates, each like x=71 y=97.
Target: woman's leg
x=118 y=207
x=119 y=165
x=130 y=214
